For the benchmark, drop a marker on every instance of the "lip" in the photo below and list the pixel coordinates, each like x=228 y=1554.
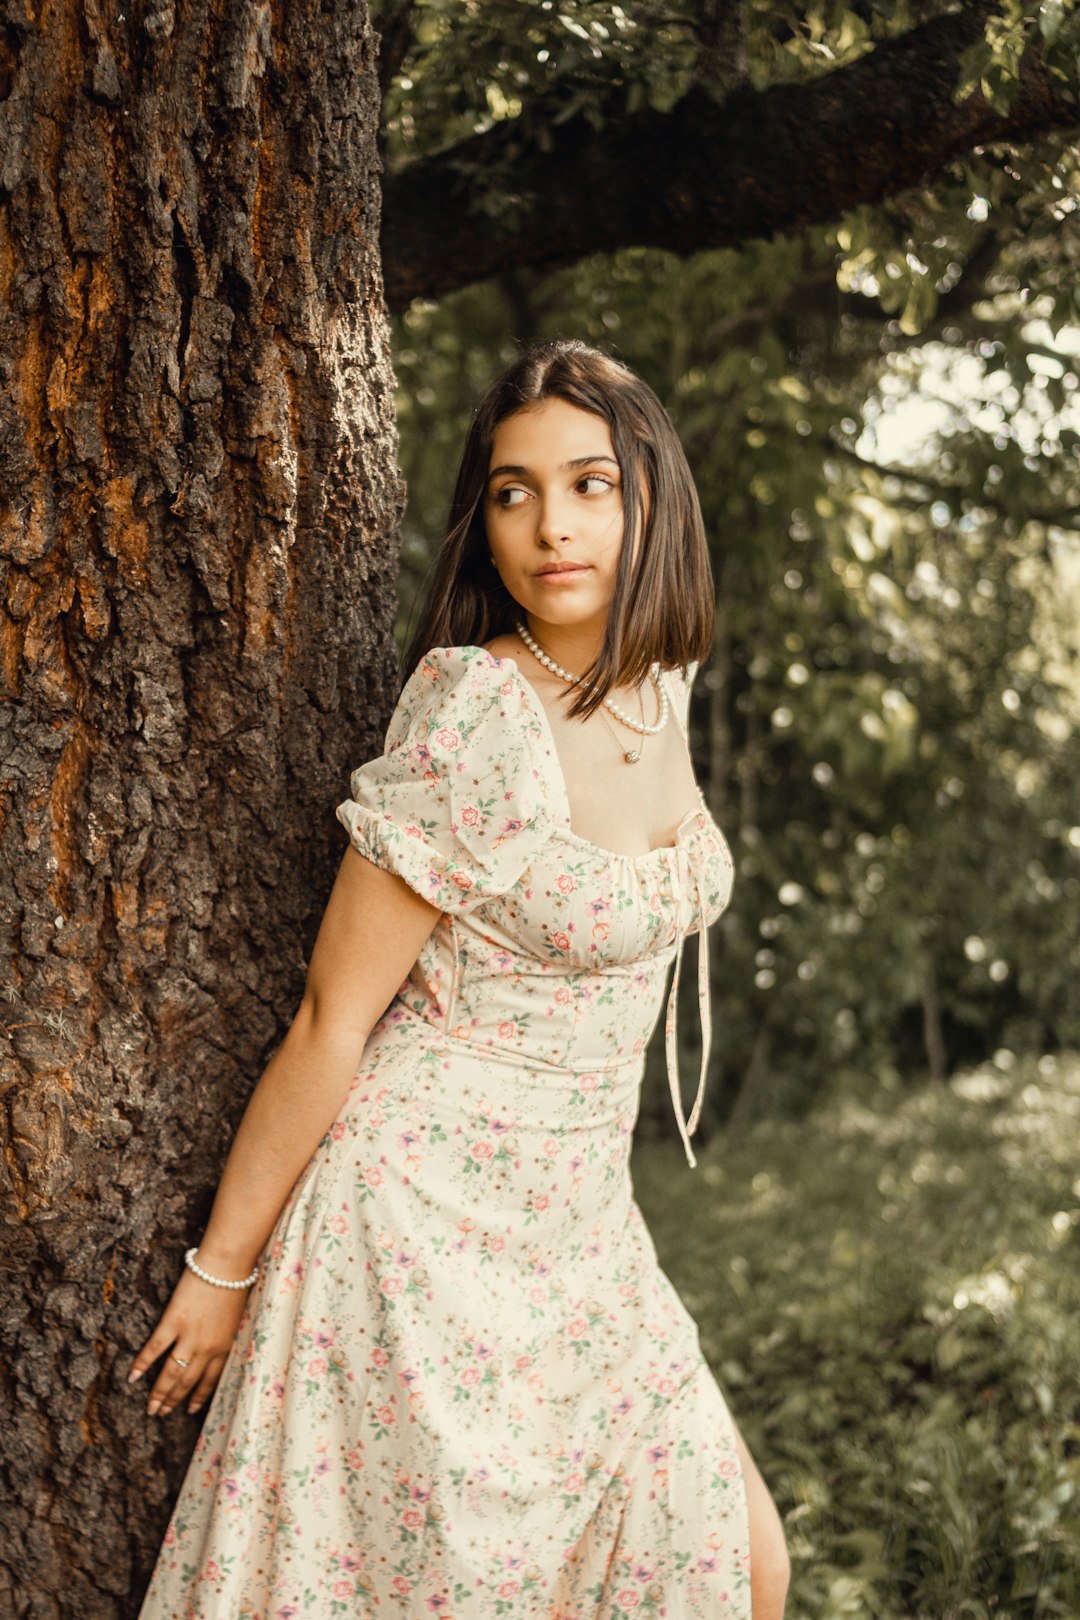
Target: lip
x=561 y=568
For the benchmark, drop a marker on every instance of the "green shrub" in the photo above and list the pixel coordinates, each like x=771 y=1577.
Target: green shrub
x=888 y=1296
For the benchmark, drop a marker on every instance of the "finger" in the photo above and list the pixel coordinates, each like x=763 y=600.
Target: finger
x=162 y=1337
x=174 y=1381
x=207 y=1383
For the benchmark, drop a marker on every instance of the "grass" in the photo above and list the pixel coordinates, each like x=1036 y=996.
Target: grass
x=889 y=1294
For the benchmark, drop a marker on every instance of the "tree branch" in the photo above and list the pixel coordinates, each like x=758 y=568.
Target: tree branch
x=703 y=175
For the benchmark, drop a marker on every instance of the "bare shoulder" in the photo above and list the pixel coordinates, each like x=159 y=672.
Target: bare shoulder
x=680 y=682
x=503 y=646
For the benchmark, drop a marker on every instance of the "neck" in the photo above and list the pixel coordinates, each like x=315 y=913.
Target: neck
x=574 y=646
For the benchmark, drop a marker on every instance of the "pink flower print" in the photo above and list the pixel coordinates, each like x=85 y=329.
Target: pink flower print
x=392 y=1286
x=449 y=738
x=212 y=1570
x=343 y=1589
x=507 y=1030
x=412 y=1518
x=565 y=883
x=577 y=1327
x=629 y=1598
x=323 y=1466
x=380 y=1357
x=288 y=1611
x=496 y=1245
x=561 y=940
x=589 y=1082
x=373 y=1176
x=482 y=1151
x=562 y=995
x=573 y=1482
x=469 y=1376
x=551 y=1147
x=657 y=1453
x=471 y=816
x=461 y=880
x=170 y=1536
x=729 y=1468
x=316 y=1366
x=402 y=1585
x=338 y=1225
x=337 y=1129
x=540 y=1202
x=509 y=1589
x=660 y=1478
x=387 y=1415
x=522 y=1362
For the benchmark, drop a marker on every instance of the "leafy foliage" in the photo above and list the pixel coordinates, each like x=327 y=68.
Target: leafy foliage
x=887 y=1292
x=887 y=730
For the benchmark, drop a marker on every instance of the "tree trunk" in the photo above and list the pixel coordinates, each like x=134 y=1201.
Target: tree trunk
x=937 y=1058
x=745 y=1106
x=721 y=669
x=198 y=515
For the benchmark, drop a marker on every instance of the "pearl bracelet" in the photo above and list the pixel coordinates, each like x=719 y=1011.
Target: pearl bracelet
x=218 y=1282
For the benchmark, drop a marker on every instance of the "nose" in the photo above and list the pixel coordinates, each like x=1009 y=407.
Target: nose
x=553 y=521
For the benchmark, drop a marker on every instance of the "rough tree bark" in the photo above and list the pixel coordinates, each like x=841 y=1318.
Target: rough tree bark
x=705 y=174
x=198 y=527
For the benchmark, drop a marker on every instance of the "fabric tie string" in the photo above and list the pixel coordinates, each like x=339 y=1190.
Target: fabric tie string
x=671 y=1034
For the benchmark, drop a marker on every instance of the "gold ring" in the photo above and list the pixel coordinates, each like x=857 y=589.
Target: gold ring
x=181 y=1363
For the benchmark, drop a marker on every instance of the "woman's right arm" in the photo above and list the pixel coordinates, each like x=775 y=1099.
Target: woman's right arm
x=370 y=935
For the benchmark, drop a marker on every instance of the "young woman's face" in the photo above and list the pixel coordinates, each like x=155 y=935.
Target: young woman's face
x=553 y=512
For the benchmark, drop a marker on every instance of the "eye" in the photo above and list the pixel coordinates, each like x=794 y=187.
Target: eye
x=502 y=496
x=596 y=478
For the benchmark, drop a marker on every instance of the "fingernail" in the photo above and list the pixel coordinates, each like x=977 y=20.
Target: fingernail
x=152 y=1408
x=134 y=1376
x=193 y=1408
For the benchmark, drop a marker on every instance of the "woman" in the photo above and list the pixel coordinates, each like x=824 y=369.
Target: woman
x=461 y=1385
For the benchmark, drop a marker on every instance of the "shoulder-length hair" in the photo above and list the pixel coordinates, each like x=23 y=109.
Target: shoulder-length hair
x=663 y=603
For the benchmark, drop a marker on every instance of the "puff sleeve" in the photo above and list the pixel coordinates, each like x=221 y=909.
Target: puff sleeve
x=456 y=803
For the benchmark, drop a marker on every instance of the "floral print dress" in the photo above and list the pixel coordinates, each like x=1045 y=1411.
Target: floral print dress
x=462 y=1386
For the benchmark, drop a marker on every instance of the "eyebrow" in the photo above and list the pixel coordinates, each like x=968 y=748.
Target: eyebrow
x=567 y=466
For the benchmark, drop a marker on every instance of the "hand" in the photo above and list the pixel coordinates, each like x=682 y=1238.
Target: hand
x=199 y=1325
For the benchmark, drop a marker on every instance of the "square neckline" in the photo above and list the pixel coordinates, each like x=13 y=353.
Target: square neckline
x=696 y=813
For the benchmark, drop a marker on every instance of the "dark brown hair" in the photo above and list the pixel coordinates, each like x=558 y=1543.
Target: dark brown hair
x=662 y=606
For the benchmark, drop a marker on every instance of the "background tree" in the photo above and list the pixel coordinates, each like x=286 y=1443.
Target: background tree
x=198 y=523
x=887 y=729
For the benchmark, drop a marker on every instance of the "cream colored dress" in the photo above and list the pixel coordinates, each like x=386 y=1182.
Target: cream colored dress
x=462 y=1386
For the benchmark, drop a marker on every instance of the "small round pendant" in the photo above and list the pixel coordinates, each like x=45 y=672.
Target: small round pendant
x=632 y=756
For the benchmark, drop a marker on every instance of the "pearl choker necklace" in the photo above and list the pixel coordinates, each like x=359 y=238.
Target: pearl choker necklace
x=576 y=680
